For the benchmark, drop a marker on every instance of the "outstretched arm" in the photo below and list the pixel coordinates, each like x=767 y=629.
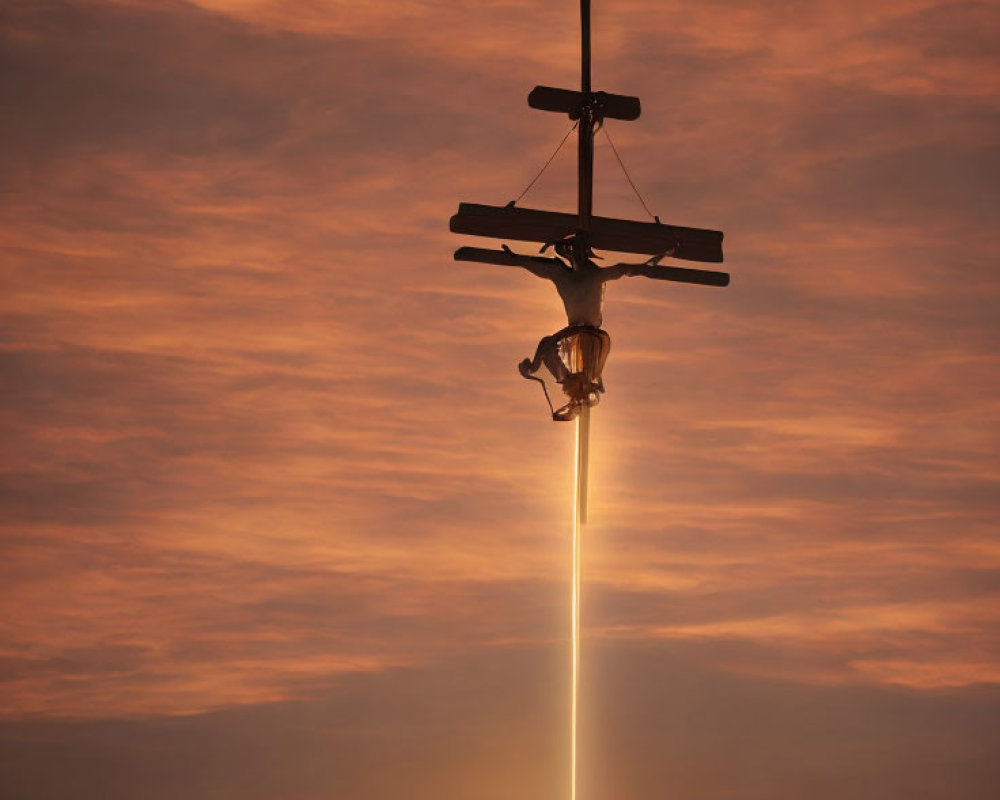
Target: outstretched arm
x=617 y=271
x=543 y=267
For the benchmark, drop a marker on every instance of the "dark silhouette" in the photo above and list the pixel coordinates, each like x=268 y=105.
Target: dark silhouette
x=605 y=233
x=576 y=354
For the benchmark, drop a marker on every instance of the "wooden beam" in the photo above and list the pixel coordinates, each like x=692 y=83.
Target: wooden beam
x=606 y=233
x=505 y=258
x=565 y=101
x=702 y=277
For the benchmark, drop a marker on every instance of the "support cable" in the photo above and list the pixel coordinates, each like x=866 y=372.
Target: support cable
x=545 y=167
x=627 y=176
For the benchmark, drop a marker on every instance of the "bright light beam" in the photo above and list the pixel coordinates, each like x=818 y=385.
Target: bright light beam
x=579 y=519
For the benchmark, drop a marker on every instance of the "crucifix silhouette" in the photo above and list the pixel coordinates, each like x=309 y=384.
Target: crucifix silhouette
x=575 y=355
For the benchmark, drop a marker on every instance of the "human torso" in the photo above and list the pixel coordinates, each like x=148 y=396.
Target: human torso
x=582 y=294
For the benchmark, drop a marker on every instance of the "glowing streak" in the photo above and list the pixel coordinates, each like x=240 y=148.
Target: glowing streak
x=579 y=519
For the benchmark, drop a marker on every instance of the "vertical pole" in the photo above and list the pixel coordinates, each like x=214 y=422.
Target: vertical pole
x=585 y=207
x=585 y=150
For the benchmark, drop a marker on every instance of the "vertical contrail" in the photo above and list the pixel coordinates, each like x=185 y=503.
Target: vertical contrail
x=579 y=519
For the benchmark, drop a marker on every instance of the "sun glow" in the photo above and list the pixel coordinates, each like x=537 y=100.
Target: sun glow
x=579 y=519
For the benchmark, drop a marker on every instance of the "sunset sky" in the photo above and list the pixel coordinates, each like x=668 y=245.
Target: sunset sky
x=280 y=521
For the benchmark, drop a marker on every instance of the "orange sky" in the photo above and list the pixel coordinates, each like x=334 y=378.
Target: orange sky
x=280 y=520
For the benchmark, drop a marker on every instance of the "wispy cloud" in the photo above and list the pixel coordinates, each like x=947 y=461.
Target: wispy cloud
x=261 y=432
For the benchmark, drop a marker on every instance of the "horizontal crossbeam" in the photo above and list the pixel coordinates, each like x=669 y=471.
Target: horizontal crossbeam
x=619 y=235
x=702 y=277
x=504 y=258
x=565 y=101
x=507 y=258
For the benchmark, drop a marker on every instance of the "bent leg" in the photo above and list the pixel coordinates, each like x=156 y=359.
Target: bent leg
x=548 y=349
x=547 y=352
